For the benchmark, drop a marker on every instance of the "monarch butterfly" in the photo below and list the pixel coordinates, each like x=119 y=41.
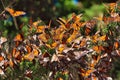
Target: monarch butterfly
x=11 y=63
x=28 y=48
x=15 y=13
x=86 y=73
x=67 y=36
x=17 y=55
x=45 y=55
x=18 y=37
x=87 y=31
x=1 y=58
x=98 y=48
x=108 y=49
x=59 y=78
x=116 y=44
x=61 y=48
x=29 y=56
x=82 y=43
x=2 y=40
x=112 y=6
x=103 y=38
x=35 y=52
x=53 y=45
x=28 y=73
x=1 y=72
x=40 y=29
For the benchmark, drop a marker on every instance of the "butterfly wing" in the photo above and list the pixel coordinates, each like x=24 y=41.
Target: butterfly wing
x=15 y=13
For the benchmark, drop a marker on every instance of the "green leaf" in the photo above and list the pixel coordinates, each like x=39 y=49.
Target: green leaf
x=24 y=19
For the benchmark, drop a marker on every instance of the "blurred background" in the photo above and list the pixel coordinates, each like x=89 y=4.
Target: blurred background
x=47 y=10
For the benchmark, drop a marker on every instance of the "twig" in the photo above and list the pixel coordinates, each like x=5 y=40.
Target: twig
x=14 y=19
x=3 y=4
x=15 y=22
x=5 y=7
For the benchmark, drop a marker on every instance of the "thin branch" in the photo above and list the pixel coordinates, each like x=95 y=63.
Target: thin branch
x=15 y=22
x=3 y=4
x=5 y=7
x=14 y=19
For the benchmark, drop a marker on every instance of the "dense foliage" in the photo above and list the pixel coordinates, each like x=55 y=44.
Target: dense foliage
x=82 y=47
